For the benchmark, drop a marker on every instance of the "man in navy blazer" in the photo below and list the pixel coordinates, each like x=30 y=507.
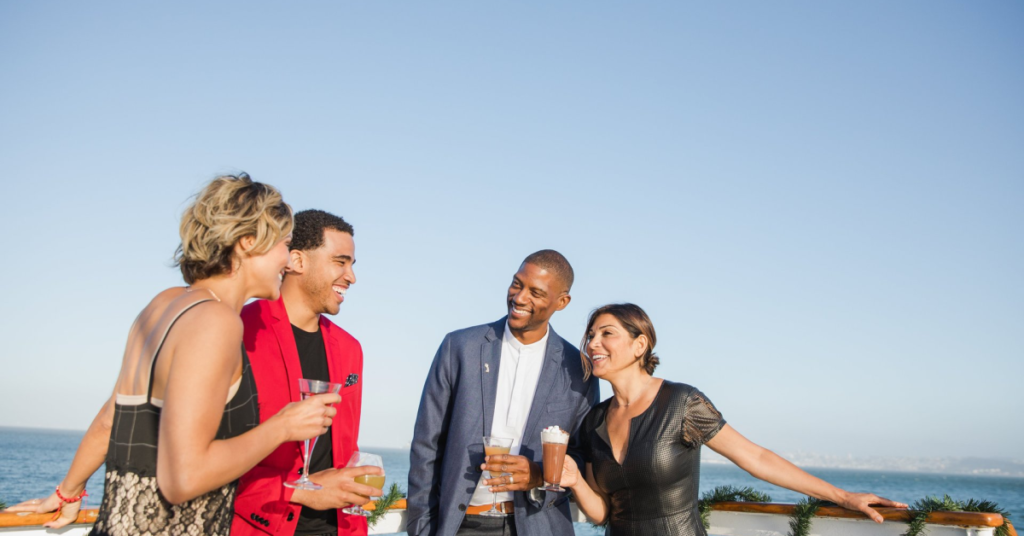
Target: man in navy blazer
x=510 y=378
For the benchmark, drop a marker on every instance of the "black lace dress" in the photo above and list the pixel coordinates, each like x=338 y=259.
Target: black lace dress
x=132 y=504
x=654 y=490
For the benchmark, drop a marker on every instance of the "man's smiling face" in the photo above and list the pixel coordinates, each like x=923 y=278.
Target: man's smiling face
x=534 y=295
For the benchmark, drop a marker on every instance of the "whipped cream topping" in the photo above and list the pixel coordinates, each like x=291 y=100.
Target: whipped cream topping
x=554 y=434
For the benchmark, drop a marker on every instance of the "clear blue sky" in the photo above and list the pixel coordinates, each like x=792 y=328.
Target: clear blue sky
x=819 y=204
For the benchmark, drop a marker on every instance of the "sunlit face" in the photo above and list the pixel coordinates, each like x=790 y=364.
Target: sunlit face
x=611 y=349
x=328 y=272
x=266 y=271
x=534 y=295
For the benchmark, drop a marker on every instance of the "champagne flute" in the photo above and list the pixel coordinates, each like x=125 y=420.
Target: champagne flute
x=494 y=446
x=363 y=459
x=308 y=388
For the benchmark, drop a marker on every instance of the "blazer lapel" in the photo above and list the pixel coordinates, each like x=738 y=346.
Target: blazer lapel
x=289 y=352
x=337 y=369
x=490 y=360
x=548 y=372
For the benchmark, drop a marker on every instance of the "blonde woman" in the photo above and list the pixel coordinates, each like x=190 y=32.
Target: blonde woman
x=642 y=445
x=181 y=426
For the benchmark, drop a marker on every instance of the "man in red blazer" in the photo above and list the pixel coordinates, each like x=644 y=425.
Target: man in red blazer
x=290 y=339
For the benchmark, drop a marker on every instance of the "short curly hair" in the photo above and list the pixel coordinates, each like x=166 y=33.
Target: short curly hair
x=310 y=226
x=228 y=209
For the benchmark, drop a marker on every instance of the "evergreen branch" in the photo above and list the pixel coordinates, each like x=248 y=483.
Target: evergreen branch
x=927 y=505
x=393 y=495
x=800 y=521
x=727 y=494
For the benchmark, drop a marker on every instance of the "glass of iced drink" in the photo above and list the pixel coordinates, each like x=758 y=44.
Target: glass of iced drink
x=362 y=459
x=554 y=441
x=493 y=446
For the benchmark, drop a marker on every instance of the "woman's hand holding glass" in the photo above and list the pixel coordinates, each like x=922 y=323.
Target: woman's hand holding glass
x=570 y=473
x=307 y=419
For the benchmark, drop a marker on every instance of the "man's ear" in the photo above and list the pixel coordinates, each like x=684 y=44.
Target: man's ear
x=297 y=265
x=563 y=301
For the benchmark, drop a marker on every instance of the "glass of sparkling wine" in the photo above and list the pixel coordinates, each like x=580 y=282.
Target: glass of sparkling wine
x=363 y=459
x=494 y=446
x=308 y=388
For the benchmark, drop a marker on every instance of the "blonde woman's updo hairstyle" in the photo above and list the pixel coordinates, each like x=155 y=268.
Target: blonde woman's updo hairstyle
x=229 y=208
x=636 y=322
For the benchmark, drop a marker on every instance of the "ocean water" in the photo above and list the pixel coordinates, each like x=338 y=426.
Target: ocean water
x=33 y=461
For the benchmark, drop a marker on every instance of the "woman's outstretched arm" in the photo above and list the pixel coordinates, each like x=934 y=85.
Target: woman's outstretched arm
x=770 y=467
x=88 y=458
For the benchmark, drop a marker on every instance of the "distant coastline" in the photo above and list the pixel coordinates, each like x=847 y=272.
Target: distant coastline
x=973 y=466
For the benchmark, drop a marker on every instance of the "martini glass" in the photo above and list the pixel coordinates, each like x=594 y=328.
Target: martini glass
x=494 y=446
x=363 y=459
x=308 y=388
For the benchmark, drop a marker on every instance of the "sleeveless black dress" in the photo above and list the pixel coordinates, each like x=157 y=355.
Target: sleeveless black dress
x=654 y=490
x=132 y=504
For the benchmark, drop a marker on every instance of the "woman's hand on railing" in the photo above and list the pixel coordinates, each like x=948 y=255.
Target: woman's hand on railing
x=863 y=502
x=68 y=514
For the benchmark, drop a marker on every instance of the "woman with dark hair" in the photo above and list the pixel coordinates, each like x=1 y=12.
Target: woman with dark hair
x=181 y=425
x=642 y=445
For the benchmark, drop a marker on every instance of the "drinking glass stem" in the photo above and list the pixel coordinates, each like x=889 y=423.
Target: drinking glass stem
x=305 y=459
x=494 y=497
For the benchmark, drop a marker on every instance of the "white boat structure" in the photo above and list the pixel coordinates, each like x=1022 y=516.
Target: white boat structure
x=727 y=519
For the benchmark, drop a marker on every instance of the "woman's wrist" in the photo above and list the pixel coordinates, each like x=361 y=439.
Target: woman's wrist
x=69 y=489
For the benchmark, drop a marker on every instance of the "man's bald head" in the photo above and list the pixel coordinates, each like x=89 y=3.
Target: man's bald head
x=555 y=263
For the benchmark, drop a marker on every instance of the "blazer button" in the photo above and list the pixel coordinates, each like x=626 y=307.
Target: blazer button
x=252 y=517
x=462 y=508
x=291 y=516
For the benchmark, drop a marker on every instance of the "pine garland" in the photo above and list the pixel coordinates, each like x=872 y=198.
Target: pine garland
x=923 y=507
x=800 y=521
x=393 y=495
x=727 y=494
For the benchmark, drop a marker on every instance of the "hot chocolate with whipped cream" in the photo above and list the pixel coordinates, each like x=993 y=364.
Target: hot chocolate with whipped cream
x=555 y=441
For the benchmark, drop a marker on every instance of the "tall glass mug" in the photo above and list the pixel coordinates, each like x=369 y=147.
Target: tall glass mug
x=554 y=441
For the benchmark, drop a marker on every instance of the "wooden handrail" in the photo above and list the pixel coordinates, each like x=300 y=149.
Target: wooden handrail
x=23 y=519
x=970 y=519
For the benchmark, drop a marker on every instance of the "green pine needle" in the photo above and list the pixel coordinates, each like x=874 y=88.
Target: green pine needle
x=393 y=495
x=727 y=494
x=800 y=521
x=927 y=505
x=3 y=505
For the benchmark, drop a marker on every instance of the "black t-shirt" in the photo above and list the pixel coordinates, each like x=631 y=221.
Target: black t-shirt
x=313 y=357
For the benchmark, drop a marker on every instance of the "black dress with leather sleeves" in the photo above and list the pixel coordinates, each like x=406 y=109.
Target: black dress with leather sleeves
x=655 y=489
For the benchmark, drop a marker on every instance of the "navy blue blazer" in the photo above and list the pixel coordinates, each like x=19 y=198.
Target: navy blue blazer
x=455 y=413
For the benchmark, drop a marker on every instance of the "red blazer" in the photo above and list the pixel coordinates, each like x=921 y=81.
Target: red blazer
x=263 y=505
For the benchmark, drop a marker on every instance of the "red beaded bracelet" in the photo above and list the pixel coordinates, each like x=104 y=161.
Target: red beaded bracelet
x=64 y=500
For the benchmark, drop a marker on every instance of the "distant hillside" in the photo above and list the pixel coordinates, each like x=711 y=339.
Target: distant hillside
x=951 y=466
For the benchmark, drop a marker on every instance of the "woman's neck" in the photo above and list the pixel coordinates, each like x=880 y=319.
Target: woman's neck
x=630 y=388
x=226 y=289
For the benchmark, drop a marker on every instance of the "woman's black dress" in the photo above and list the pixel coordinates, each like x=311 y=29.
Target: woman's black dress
x=654 y=491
